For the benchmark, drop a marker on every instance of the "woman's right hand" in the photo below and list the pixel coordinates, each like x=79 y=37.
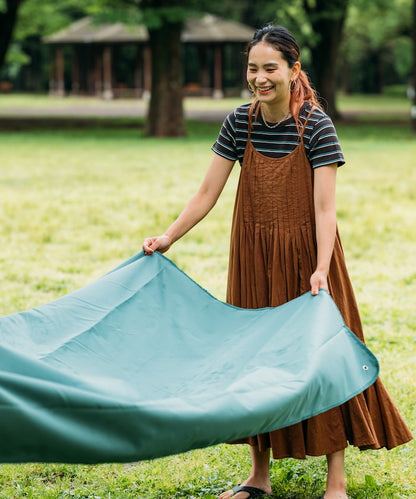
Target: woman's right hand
x=159 y=243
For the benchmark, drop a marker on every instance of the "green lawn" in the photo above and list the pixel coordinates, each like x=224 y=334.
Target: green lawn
x=76 y=202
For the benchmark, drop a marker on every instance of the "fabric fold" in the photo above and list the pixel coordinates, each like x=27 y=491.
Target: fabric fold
x=144 y=363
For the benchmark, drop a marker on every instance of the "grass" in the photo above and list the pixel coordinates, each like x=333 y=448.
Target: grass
x=76 y=202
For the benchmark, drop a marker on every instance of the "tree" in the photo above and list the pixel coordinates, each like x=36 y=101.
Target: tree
x=327 y=18
x=164 y=20
x=377 y=48
x=8 y=18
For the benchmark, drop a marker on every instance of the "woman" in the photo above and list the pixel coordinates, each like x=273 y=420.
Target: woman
x=284 y=242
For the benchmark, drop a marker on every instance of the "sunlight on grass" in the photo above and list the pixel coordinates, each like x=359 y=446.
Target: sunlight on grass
x=76 y=203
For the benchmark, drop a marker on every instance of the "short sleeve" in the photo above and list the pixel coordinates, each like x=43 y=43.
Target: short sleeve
x=324 y=146
x=225 y=144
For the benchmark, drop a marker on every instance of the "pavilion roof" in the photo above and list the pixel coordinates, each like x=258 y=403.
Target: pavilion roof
x=204 y=29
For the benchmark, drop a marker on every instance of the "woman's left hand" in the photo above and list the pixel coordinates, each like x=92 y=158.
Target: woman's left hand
x=319 y=280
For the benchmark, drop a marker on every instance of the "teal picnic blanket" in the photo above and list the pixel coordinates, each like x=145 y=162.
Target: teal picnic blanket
x=144 y=363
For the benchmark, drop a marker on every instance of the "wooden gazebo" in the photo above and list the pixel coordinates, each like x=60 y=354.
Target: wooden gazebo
x=96 y=50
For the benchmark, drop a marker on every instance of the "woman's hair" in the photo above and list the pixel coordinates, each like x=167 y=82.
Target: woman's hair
x=282 y=40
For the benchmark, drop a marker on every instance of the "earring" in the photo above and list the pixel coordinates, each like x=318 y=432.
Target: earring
x=292 y=85
x=250 y=88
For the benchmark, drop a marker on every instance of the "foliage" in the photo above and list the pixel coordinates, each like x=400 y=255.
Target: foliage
x=372 y=37
x=42 y=17
x=151 y=13
x=16 y=58
x=255 y=14
x=38 y=18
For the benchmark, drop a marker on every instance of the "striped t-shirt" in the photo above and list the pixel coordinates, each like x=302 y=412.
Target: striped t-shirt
x=320 y=138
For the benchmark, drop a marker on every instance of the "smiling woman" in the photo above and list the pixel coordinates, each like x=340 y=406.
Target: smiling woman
x=284 y=242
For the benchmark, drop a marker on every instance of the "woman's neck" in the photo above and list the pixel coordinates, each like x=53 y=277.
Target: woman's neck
x=276 y=112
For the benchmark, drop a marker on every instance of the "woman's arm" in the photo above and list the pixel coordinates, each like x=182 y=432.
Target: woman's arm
x=196 y=209
x=326 y=224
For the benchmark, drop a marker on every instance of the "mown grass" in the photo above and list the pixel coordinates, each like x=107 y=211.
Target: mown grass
x=76 y=202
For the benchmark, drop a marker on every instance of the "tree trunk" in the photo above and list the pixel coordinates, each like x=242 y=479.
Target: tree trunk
x=8 y=20
x=165 y=116
x=327 y=18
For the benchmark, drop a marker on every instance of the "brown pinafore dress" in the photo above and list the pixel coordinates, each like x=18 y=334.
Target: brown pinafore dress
x=272 y=257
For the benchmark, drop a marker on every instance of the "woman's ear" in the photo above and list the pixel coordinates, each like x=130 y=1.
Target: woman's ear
x=296 y=69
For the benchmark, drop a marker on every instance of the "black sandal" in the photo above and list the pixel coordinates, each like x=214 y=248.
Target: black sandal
x=253 y=491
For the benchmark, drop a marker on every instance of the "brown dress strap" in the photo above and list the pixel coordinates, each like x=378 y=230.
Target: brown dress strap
x=254 y=106
x=302 y=128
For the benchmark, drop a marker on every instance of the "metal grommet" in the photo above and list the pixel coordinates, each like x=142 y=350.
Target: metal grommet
x=365 y=367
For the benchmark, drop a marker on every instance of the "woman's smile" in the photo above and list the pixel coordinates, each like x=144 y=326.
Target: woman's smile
x=265 y=90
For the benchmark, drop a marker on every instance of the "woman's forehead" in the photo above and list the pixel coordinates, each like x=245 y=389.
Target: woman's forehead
x=264 y=51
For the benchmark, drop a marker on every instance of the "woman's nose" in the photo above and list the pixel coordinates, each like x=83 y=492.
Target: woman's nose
x=261 y=77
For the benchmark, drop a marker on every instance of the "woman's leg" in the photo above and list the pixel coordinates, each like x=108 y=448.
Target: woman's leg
x=335 y=483
x=259 y=476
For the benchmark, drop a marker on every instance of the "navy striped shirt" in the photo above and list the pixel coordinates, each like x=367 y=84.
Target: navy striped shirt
x=320 y=138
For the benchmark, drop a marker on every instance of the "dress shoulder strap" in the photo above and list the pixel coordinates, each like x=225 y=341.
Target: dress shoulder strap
x=254 y=107
x=302 y=128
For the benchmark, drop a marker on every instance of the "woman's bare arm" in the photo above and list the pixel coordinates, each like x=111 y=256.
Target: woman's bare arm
x=197 y=208
x=326 y=223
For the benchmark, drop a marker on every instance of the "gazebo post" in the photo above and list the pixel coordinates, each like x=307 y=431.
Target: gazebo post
x=245 y=92
x=138 y=74
x=60 y=83
x=52 y=73
x=75 y=87
x=218 y=90
x=147 y=59
x=97 y=81
x=205 y=79
x=107 y=73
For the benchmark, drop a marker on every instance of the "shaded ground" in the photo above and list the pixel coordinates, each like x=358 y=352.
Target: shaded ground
x=81 y=116
x=66 y=122
x=16 y=119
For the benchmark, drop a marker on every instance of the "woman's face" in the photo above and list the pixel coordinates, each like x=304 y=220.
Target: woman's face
x=269 y=75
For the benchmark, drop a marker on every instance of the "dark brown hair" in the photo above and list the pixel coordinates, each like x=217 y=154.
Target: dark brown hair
x=282 y=40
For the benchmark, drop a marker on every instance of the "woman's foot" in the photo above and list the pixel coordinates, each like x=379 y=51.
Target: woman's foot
x=251 y=482
x=335 y=494
x=336 y=490
x=259 y=476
